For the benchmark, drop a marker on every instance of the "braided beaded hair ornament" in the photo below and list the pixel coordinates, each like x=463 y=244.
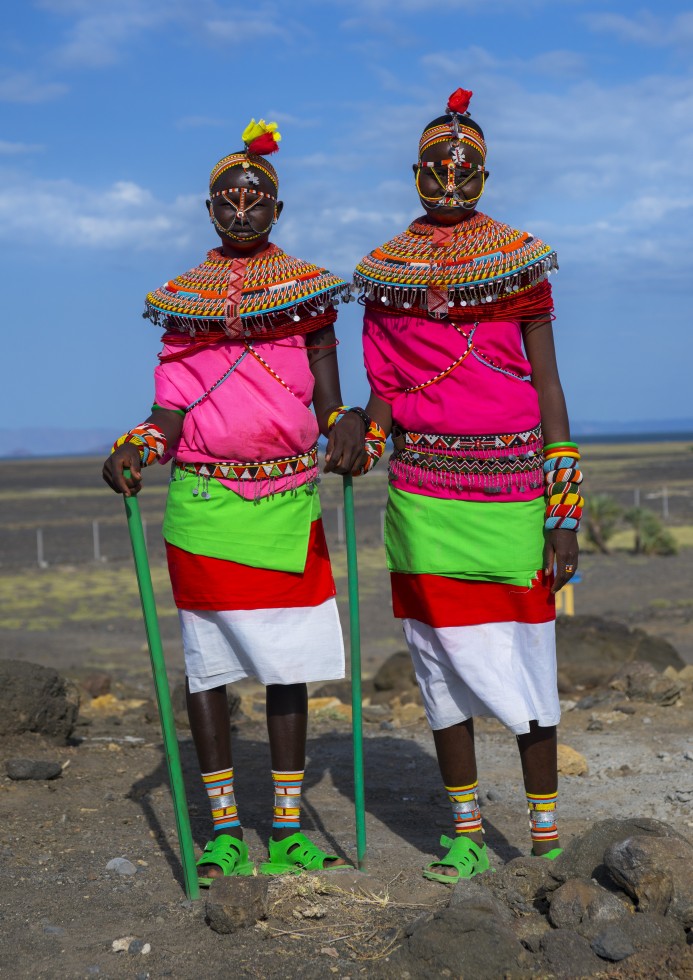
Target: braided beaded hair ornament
x=260 y=139
x=459 y=129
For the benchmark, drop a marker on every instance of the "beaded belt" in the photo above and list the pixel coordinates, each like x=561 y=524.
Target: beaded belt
x=492 y=464
x=271 y=469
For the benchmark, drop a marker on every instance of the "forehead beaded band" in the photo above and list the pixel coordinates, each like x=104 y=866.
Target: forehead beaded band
x=246 y=190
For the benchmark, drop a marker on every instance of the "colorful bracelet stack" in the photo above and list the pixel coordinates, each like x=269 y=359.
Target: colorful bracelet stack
x=563 y=477
x=149 y=440
x=375 y=446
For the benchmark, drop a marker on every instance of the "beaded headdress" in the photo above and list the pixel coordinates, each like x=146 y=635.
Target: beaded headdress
x=460 y=128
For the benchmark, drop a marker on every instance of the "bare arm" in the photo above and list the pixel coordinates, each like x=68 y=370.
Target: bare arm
x=346 y=440
x=561 y=546
x=127 y=457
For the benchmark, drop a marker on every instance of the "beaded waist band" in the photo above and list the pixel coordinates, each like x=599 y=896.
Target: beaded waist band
x=490 y=464
x=271 y=469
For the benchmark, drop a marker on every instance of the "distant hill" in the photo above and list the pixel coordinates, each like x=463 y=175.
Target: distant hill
x=49 y=441
x=55 y=441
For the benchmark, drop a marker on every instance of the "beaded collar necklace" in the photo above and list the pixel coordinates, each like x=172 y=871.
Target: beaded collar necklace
x=269 y=295
x=440 y=269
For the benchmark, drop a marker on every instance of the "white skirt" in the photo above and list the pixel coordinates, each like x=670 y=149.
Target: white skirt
x=277 y=646
x=507 y=670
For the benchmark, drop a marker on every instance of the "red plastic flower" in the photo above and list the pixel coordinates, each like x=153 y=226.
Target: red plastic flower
x=263 y=145
x=459 y=100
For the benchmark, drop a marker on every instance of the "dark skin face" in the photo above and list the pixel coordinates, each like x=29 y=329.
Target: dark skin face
x=472 y=183
x=248 y=222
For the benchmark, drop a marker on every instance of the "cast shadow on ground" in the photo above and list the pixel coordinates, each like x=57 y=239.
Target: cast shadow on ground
x=403 y=792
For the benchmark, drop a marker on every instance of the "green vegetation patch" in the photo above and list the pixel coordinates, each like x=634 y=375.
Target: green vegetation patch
x=38 y=601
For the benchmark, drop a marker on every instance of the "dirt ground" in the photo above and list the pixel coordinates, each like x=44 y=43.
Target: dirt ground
x=61 y=910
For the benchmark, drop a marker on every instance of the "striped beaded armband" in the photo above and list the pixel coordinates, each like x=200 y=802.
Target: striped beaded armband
x=149 y=440
x=375 y=446
x=562 y=474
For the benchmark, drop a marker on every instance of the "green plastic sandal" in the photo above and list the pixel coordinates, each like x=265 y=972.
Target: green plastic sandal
x=228 y=853
x=296 y=854
x=466 y=857
x=550 y=855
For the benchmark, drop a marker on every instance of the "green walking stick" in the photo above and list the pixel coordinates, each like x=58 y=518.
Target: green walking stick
x=163 y=697
x=355 y=645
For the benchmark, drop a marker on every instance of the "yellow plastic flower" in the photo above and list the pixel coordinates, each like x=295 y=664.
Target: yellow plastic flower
x=255 y=129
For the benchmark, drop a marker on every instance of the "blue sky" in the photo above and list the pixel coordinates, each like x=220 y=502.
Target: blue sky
x=112 y=114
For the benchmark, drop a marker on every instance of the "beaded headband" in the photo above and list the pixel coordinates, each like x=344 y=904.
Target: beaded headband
x=260 y=139
x=455 y=131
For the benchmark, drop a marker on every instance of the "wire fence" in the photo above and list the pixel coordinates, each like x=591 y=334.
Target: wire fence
x=76 y=542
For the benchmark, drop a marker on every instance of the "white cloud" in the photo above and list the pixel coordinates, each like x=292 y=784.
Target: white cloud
x=122 y=216
x=9 y=149
x=26 y=87
x=645 y=28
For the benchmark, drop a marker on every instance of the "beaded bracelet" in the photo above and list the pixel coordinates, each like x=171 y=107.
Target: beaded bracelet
x=375 y=447
x=148 y=439
x=335 y=416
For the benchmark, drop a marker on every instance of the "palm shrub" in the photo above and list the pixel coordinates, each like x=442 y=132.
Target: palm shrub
x=651 y=537
x=602 y=514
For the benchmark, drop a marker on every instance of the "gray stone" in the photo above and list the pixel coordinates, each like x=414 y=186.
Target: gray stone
x=136 y=946
x=656 y=872
x=586 y=907
x=648 y=930
x=591 y=649
x=32 y=769
x=236 y=903
x=457 y=938
x=121 y=866
x=641 y=682
x=469 y=896
x=36 y=699
x=569 y=954
x=493 y=796
x=49 y=930
x=613 y=944
x=583 y=857
x=396 y=674
x=522 y=885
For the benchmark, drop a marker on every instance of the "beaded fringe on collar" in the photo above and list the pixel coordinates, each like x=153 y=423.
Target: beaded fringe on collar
x=269 y=295
x=450 y=271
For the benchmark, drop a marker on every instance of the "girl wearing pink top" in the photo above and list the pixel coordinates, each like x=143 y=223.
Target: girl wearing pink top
x=460 y=358
x=249 y=348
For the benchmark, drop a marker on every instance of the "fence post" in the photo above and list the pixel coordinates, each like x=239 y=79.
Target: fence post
x=40 y=557
x=636 y=497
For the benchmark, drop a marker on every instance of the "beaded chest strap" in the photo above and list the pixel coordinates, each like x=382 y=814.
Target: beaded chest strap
x=490 y=464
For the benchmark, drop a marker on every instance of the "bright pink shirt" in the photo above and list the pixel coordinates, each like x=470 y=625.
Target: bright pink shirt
x=490 y=392
x=251 y=417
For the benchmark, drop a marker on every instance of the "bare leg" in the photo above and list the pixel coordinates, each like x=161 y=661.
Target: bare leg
x=538 y=750
x=208 y=712
x=287 y=723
